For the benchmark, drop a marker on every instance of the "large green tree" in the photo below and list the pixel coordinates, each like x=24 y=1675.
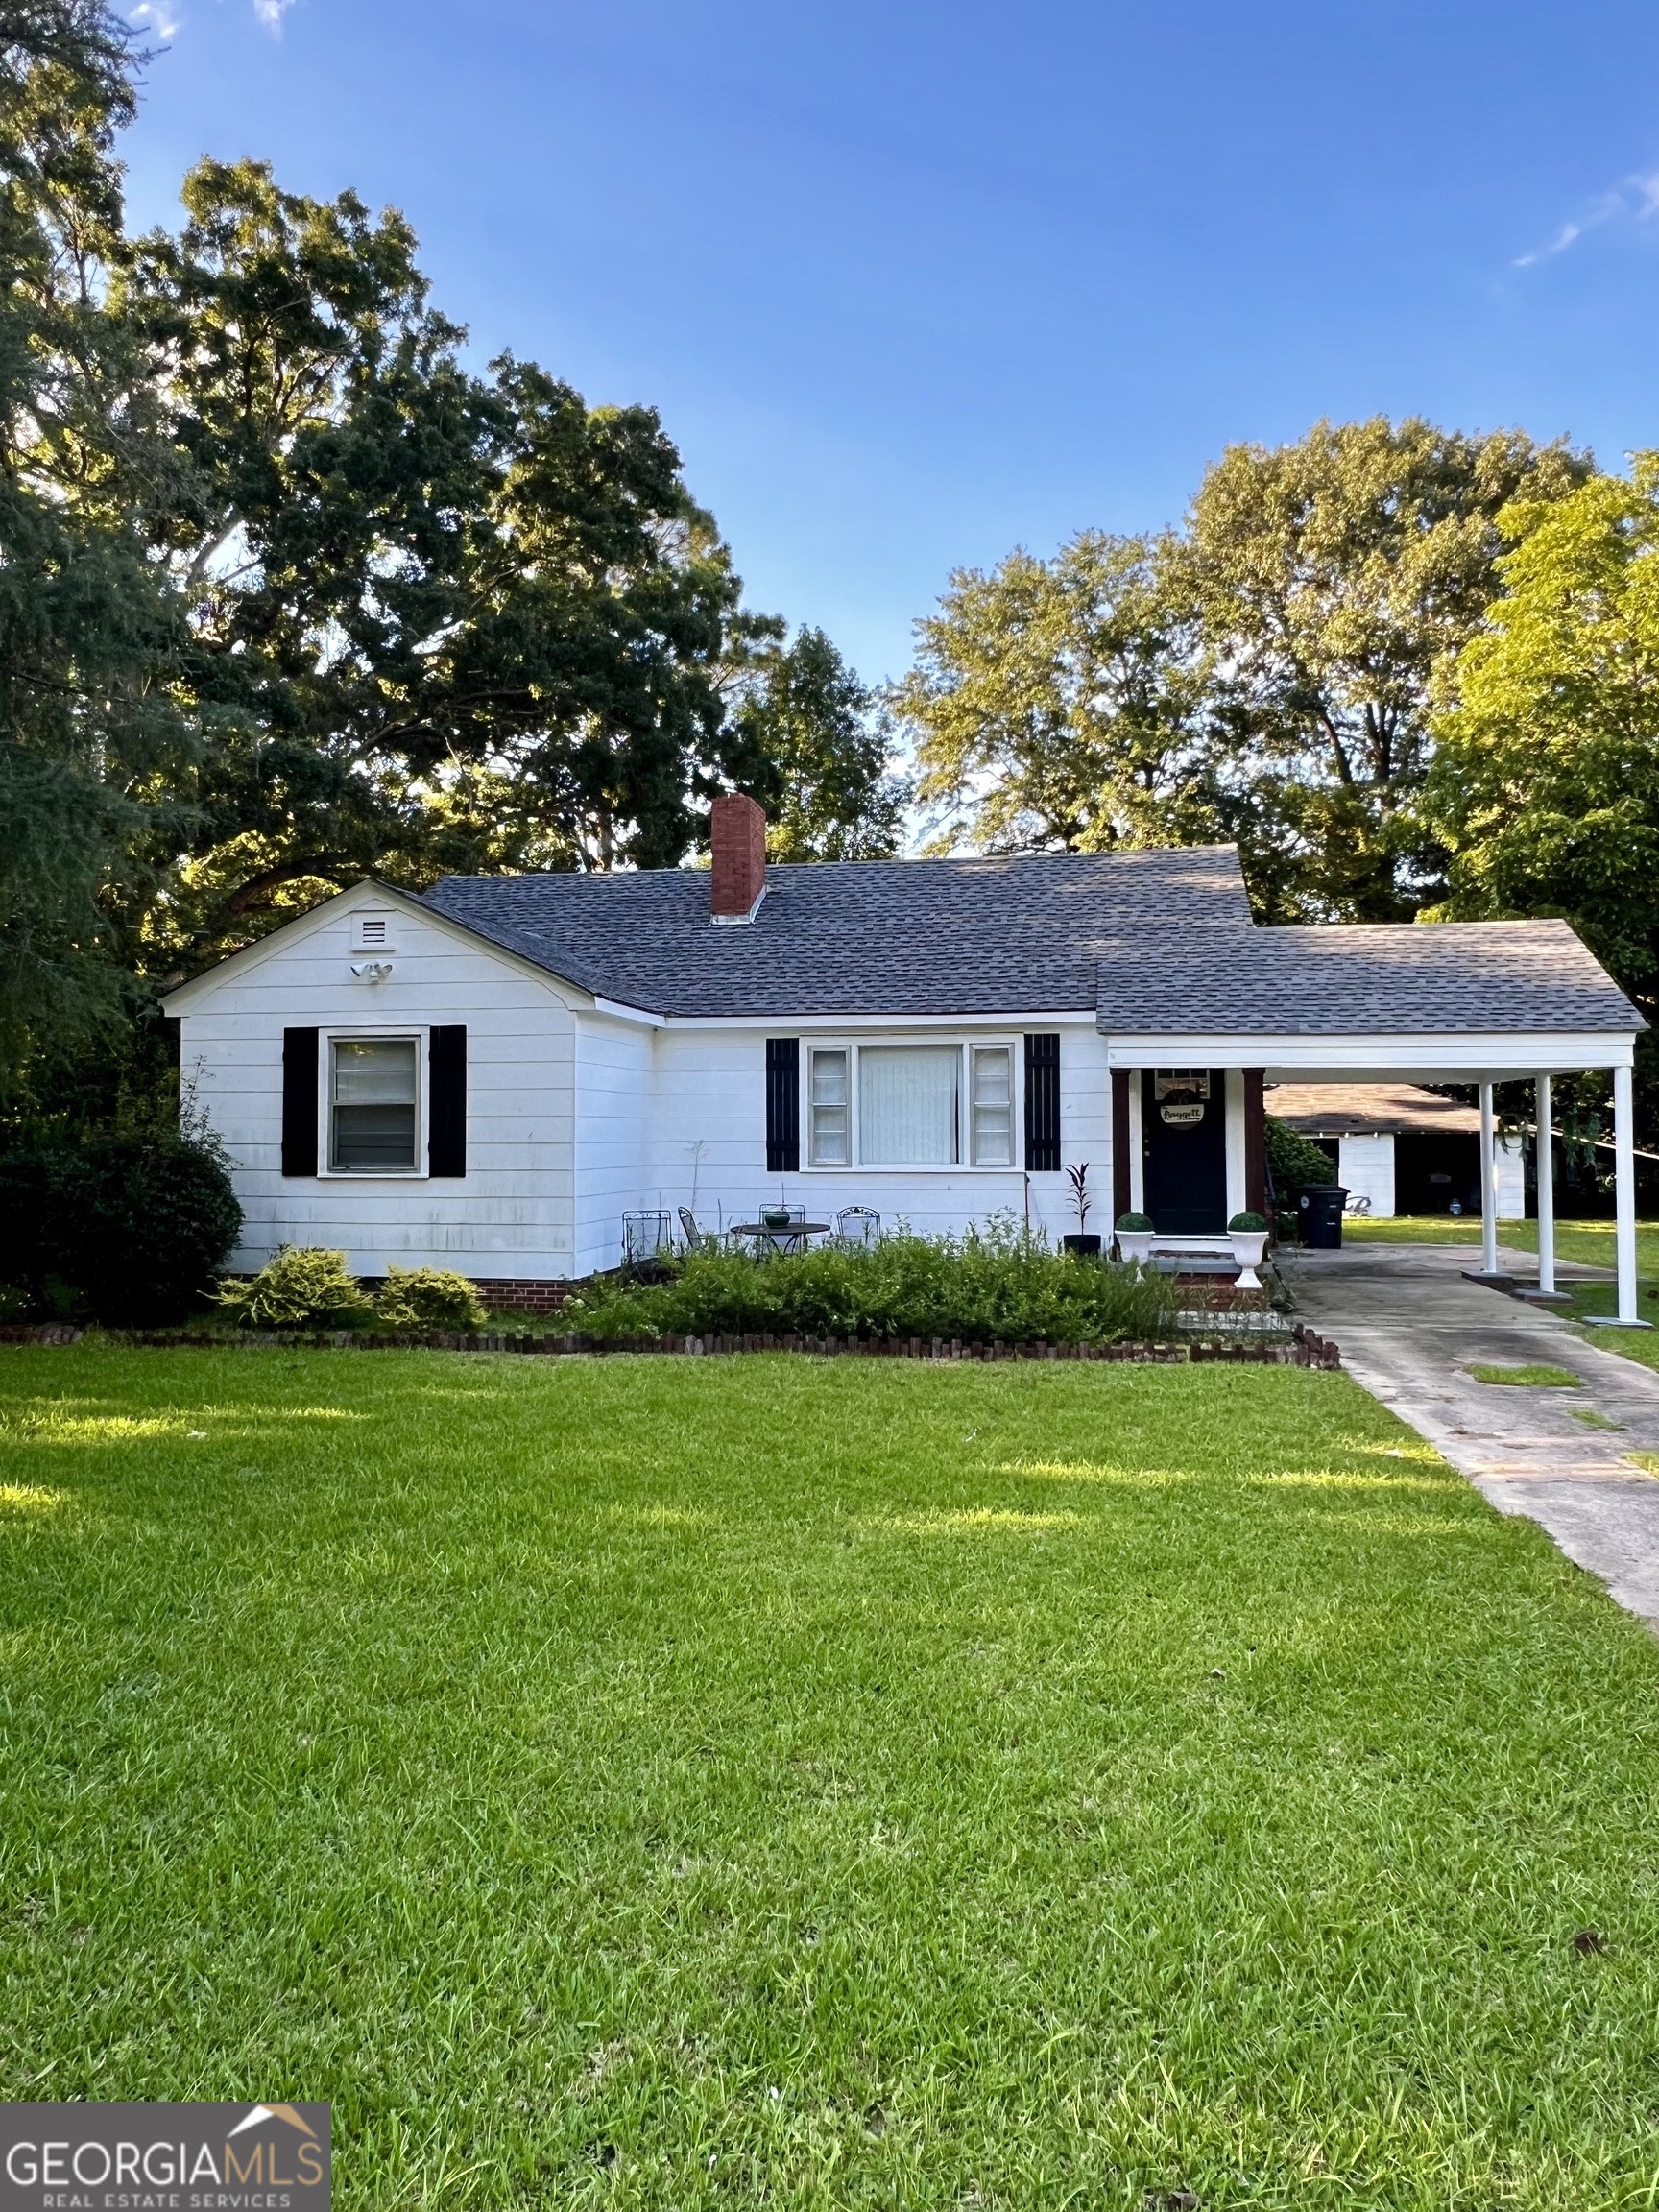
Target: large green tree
x=1052 y=703
x=1545 y=788
x=1265 y=673
x=85 y=635
x=811 y=743
x=435 y=619
x=1327 y=579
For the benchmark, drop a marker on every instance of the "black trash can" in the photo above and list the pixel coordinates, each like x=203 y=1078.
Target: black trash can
x=1320 y=1216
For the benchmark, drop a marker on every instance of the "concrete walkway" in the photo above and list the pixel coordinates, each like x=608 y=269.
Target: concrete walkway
x=1409 y=1325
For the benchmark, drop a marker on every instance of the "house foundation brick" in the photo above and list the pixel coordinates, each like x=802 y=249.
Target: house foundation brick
x=541 y=1295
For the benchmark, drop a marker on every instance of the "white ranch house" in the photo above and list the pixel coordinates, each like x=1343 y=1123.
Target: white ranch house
x=490 y=1076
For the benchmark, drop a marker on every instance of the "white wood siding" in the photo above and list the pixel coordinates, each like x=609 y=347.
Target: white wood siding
x=513 y=1214
x=615 y=1076
x=709 y=1133
x=1510 y=1179
x=1365 y=1167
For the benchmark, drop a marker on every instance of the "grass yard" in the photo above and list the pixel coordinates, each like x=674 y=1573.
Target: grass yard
x=722 y=1783
x=1589 y=1243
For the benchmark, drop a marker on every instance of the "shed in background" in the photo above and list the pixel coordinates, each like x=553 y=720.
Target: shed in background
x=1403 y=1149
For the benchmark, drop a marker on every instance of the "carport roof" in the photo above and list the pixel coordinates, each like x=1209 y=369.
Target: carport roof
x=1358 y=979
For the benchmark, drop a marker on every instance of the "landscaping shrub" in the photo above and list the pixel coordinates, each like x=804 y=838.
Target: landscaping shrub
x=306 y=1287
x=117 y=1228
x=430 y=1298
x=1000 y=1285
x=1296 y=1160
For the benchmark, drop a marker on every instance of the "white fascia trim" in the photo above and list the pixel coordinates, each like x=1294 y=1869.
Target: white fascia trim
x=785 y=1024
x=369 y=893
x=1496 y=1052
x=620 y=1012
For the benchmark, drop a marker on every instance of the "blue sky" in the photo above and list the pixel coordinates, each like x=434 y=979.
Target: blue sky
x=913 y=284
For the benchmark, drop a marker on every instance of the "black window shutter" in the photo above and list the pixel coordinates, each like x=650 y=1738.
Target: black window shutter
x=782 y=1105
x=298 y=1101
x=1043 y=1105
x=446 y=1100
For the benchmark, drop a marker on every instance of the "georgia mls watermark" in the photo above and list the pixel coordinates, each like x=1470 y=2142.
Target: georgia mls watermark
x=164 y=2158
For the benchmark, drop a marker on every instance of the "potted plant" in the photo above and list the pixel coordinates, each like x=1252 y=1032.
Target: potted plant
x=1078 y=1175
x=1135 y=1237
x=1249 y=1235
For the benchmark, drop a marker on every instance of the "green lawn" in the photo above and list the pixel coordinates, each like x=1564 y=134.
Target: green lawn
x=674 y=1784
x=1589 y=1243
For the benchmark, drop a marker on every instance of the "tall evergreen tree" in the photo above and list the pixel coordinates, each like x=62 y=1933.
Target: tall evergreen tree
x=88 y=738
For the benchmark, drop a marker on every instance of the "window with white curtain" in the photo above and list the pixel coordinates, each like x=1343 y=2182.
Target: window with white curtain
x=993 y=1102
x=909 y=1106
x=829 y=1109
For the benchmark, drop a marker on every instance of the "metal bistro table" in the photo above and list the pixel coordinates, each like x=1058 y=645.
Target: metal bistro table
x=788 y=1236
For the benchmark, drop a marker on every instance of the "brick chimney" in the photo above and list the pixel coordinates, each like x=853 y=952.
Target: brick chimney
x=737 y=837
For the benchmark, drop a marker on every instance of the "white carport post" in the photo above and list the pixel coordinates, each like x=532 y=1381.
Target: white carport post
x=1624 y=1194
x=1488 y=1186
x=1546 y=1191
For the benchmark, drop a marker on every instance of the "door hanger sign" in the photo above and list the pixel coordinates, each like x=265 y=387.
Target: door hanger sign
x=1181 y=1094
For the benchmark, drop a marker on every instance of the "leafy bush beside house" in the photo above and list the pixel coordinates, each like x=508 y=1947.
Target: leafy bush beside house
x=306 y=1287
x=1295 y=1161
x=1003 y=1285
x=430 y=1298
x=115 y=1229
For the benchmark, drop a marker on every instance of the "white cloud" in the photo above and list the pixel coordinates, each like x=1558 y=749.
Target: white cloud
x=155 y=16
x=271 y=12
x=1635 y=197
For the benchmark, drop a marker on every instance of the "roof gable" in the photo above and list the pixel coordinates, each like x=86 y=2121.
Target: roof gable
x=237 y=967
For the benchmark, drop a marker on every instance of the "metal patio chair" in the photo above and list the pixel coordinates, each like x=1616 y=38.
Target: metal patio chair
x=647 y=1236
x=858 y=1225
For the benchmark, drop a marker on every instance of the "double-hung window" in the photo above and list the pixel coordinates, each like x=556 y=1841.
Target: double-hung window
x=993 y=1103
x=373 y=1096
x=910 y=1106
x=828 y=1109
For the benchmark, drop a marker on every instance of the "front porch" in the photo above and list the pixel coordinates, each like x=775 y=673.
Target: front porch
x=1147 y=1070
x=1451 y=1002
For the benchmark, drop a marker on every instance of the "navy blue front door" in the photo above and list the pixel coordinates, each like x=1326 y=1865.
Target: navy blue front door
x=1184 y=1149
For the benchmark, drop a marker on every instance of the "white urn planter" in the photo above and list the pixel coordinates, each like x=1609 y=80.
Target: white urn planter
x=1135 y=1246
x=1248 y=1247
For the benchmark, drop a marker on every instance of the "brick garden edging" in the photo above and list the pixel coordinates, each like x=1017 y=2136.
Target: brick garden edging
x=1304 y=1349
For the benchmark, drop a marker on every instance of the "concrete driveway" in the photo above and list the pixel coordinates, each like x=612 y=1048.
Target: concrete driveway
x=1408 y=1327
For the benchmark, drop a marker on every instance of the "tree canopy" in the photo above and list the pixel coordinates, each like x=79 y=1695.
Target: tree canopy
x=1545 y=787
x=290 y=594
x=83 y=625
x=1053 y=704
x=1264 y=674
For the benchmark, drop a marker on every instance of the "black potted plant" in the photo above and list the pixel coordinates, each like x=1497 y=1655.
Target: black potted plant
x=1078 y=1175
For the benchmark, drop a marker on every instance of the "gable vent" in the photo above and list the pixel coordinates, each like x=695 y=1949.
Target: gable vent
x=372 y=933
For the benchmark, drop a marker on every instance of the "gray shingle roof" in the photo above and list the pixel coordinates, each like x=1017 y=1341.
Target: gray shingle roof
x=1000 y=936
x=1153 y=943
x=1364 y=978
